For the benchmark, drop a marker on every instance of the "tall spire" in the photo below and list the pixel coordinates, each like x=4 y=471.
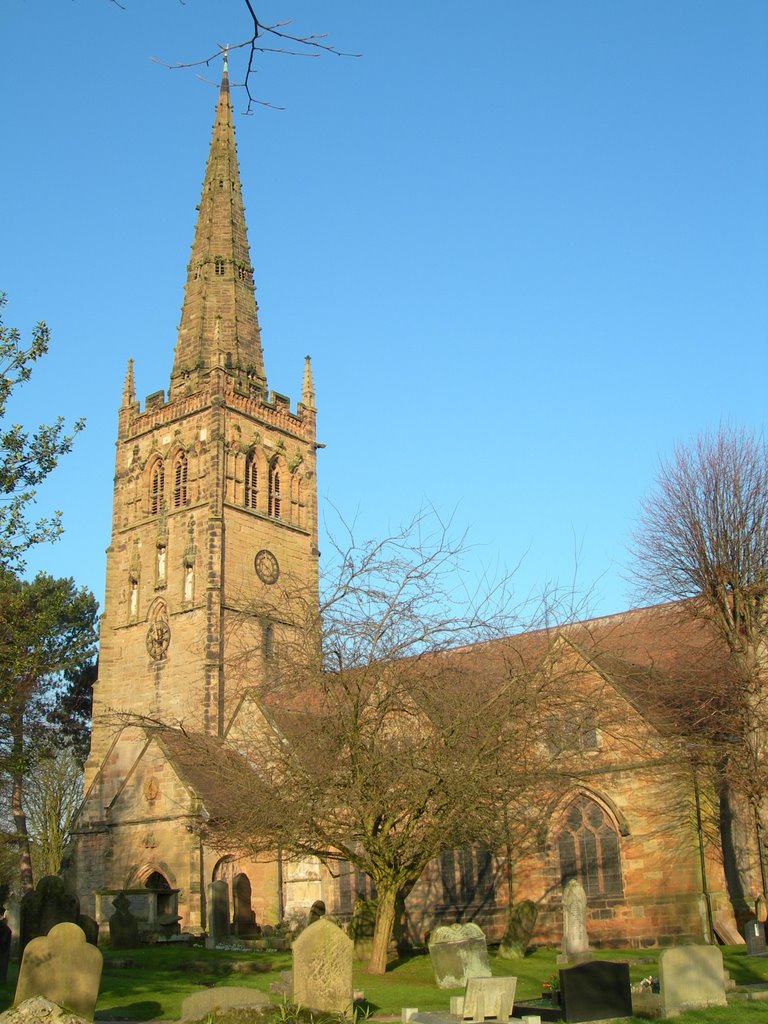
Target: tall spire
x=219 y=324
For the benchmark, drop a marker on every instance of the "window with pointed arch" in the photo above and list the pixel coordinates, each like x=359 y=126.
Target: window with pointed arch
x=274 y=508
x=180 y=466
x=588 y=848
x=156 y=486
x=251 y=480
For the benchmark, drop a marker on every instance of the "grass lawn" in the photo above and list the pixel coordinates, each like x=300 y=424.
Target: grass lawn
x=160 y=977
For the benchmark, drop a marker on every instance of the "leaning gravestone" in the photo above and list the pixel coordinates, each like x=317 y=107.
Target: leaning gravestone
x=520 y=925
x=62 y=967
x=322 y=968
x=123 y=926
x=458 y=952
x=218 y=913
x=362 y=927
x=49 y=904
x=575 y=940
x=691 y=977
x=489 y=999
x=210 y=1001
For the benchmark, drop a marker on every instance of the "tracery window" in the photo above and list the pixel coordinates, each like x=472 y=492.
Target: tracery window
x=467 y=875
x=251 y=480
x=588 y=848
x=274 y=507
x=353 y=883
x=156 y=486
x=180 y=480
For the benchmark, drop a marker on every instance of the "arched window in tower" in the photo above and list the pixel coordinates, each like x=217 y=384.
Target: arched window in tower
x=275 y=505
x=180 y=480
x=251 y=480
x=218 y=266
x=156 y=486
x=588 y=848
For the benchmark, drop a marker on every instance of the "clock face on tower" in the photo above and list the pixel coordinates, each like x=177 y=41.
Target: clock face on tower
x=158 y=638
x=266 y=566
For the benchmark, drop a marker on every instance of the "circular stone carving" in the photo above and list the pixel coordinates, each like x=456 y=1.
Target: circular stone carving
x=158 y=638
x=266 y=566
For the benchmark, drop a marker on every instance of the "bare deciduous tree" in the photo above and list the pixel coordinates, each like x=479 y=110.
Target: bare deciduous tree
x=395 y=723
x=703 y=541
x=52 y=794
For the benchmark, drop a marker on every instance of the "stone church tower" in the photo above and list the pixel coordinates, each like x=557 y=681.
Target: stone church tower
x=214 y=523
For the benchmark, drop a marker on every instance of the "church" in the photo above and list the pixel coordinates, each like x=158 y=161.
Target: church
x=215 y=498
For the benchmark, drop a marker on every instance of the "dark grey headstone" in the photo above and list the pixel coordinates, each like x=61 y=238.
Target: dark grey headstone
x=316 y=911
x=90 y=927
x=595 y=990
x=42 y=908
x=218 y=912
x=123 y=926
x=5 y=949
x=244 y=919
x=754 y=933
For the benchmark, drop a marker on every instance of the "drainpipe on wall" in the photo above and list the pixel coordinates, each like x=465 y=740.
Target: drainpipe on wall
x=280 y=904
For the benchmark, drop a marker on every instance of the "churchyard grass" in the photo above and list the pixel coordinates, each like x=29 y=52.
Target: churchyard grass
x=158 y=978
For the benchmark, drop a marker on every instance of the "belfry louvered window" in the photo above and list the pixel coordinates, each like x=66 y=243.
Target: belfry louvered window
x=274 y=489
x=156 y=487
x=180 y=480
x=218 y=266
x=251 y=481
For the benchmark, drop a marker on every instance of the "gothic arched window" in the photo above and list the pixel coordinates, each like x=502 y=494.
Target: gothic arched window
x=180 y=480
x=251 y=480
x=156 y=486
x=467 y=875
x=588 y=848
x=274 y=489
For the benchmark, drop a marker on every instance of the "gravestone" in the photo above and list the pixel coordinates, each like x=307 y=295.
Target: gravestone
x=362 y=926
x=726 y=931
x=5 y=949
x=489 y=999
x=322 y=968
x=91 y=928
x=49 y=904
x=575 y=940
x=691 y=977
x=62 y=967
x=244 y=918
x=754 y=935
x=218 y=913
x=123 y=926
x=595 y=991
x=208 y=1002
x=520 y=925
x=316 y=911
x=458 y=952
x=34 y=1011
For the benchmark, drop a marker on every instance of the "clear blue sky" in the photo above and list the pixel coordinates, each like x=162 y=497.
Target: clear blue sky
x=525 y=242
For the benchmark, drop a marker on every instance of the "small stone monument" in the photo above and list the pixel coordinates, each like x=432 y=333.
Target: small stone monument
x=520 y=925
x=41 y=908
x=575 y=939
x=458 y=952
x=691 y=978
x=322 y=968
x=754 y=935
x=218 y=913
x=210 y=1001
x=62 y=967
x=123 y=926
